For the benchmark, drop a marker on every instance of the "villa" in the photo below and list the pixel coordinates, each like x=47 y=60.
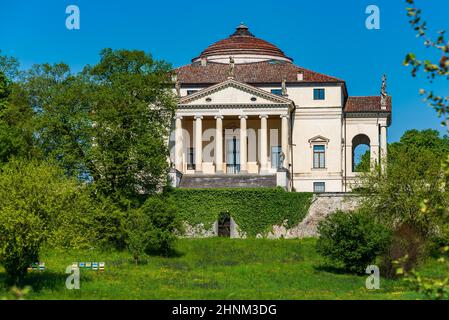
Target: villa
x=247 y=116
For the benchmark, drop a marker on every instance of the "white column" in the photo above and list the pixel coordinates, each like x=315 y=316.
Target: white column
x=198 y=144
x=263 y=144
x=383 y=146
x=219 y=144
x=178 y=144
x=348 y=155
x=243 y=145
x=284 y=138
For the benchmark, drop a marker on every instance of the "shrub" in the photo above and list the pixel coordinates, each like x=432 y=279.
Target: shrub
x=407 y=246
x=38 y=204
x=21 y=236
x=440 y=240
x=351 y=240
x=108 y=223
x=434 y=288
x=151 y=228
x=137 y=230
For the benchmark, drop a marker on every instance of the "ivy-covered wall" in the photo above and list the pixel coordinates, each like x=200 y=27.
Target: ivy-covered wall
x=254 y=210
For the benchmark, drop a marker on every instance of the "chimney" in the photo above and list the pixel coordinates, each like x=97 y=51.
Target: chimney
x=300 y=76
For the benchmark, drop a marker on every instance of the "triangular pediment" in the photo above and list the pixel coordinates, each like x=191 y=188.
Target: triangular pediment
x=232 y=92
x=318 y=139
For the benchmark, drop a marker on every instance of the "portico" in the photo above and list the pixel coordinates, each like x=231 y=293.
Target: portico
x=231 y=144
x=246 y=134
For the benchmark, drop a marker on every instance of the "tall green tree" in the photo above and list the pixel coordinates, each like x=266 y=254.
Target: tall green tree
x=62 y=127
x=132 y=109
x=428 y=139
x=15 y=121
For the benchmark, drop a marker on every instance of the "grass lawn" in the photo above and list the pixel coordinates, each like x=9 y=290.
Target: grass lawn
x=208 y=269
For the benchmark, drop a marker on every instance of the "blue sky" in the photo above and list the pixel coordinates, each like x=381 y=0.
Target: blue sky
x=325 y=36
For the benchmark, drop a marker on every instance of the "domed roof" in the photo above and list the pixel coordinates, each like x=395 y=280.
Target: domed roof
x=242 y=43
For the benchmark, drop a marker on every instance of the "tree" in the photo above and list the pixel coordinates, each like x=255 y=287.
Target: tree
x=132 y=109
x=428 y=139
x=433 y=69
x=15 y=121
x=413 y=173
x=9 y=66
x=62 y=127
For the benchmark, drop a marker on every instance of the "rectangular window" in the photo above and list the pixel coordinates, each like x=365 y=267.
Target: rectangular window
x=318 y=94
x=189 y=92
x=319 y=159
x=319 y=187
x=190 y=159
x=277 y=92
x=276 y=157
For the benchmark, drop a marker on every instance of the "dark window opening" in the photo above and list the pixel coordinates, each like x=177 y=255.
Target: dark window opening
x=224 y=225
x=233 y=156
x=319 y=187
x=318 y=94
x=319 y=158
x=276 y=161
x=190 y=159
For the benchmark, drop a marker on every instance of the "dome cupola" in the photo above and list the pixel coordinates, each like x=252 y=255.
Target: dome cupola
x=244 y=47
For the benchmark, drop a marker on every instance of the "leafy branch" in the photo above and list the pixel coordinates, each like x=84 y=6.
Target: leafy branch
x=431 y=68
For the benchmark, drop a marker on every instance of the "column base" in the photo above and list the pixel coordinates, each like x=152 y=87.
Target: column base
x=243 y=171
x=218 y=171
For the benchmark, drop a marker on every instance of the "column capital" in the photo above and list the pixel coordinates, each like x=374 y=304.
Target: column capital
x=262 y=116
x=243 y=116
x=198 y=117
x=219 y=117
x=284 y=116
x=178 y=117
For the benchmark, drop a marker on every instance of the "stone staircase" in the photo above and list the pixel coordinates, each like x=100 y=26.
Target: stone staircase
x=228 y=181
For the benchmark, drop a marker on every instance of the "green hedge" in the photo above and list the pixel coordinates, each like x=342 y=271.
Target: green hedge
x=255 y=210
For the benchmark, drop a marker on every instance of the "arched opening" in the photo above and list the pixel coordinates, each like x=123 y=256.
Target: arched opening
x=361 y=153
x=224 y=225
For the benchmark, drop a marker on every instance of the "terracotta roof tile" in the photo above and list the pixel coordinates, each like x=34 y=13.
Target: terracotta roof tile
x=259 y=72
x=366 y=104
